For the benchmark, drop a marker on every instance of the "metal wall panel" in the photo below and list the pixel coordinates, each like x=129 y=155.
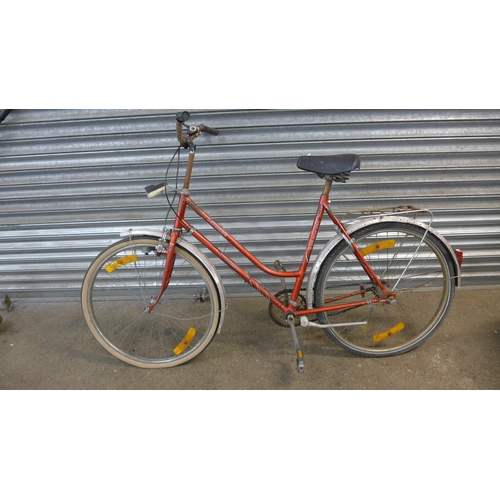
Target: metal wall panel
x=71 y=180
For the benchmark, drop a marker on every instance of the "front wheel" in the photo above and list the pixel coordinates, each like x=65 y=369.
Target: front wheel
x=125 y=279
x=410 y=262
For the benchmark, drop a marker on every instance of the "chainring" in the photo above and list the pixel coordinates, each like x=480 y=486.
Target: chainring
x=284 y=297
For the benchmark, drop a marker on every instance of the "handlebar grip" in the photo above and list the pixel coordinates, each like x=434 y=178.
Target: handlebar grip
x=210 y=130
x=183 y=116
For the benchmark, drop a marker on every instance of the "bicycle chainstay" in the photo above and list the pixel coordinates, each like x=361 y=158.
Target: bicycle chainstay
x=332 y=287
x=282 y=321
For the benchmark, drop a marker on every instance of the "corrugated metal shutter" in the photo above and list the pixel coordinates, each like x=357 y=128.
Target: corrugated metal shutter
x=71 y=180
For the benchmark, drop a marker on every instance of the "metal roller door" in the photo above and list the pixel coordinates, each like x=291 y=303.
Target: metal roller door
x=71 y=180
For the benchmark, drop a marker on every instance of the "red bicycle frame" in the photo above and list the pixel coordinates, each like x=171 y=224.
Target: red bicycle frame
x=182 y=224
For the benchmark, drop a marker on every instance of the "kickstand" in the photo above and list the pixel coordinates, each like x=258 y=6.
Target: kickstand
x=300 y=355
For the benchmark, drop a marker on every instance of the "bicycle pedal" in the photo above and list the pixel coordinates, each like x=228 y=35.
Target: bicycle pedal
x=300 y=361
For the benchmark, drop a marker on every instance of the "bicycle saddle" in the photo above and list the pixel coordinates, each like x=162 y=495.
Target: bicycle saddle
x=337 y=167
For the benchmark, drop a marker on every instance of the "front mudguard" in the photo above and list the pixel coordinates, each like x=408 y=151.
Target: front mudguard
x=360 y=224
x=188 y=247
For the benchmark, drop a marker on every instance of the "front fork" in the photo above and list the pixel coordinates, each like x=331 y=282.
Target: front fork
x=167 y=274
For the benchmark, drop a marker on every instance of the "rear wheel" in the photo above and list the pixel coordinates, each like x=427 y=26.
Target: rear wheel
x=124 y=280
x=410 y=262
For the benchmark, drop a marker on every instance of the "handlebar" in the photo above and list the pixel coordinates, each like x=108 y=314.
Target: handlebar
x=188 y=143
x=194 y=131
x=209 y=130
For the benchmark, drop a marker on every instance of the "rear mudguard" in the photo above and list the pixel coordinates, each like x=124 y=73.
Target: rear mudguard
x=372 y=222
x=188 y=247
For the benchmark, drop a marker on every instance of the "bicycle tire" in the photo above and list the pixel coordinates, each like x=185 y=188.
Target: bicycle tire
x=124 y=279
x=411 y=262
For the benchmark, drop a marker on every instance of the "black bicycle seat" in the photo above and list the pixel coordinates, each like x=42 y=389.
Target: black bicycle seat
x=338 y=167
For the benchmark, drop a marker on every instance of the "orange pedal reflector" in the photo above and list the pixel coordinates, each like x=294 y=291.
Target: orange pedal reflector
x=380 y=245
x=185 y=341
x=388 y=333
x=122 y=261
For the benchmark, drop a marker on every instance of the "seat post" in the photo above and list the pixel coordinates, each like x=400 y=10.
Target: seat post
x=328 y=187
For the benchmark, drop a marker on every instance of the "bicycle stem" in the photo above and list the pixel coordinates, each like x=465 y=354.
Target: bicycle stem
x=189 y=169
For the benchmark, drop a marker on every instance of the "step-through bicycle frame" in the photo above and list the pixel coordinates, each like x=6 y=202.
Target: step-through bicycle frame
x=181 y=224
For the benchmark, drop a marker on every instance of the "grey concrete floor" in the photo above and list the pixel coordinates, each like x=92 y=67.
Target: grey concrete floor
x=48 y=346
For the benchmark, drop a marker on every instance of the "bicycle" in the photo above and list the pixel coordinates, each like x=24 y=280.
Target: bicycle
x=380 y=287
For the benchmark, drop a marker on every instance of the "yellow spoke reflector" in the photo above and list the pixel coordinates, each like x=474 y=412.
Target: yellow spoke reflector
x=389 y=333
x=380 y=245
x=185 y=341
x=122 y=261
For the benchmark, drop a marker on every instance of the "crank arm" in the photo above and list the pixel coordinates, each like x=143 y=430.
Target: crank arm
x=298 y=350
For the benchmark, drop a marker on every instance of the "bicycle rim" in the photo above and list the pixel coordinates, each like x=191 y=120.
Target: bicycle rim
x=124 y=280
x=410 y=262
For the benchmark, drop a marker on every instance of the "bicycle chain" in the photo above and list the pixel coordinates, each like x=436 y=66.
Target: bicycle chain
x=345 y=285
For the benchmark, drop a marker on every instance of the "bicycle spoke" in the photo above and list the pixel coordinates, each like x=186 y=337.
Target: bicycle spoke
x=123 y=283
x=409 y=261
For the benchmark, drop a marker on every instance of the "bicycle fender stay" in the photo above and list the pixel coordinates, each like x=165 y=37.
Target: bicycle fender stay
x=360 y=224
x=190 y=248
